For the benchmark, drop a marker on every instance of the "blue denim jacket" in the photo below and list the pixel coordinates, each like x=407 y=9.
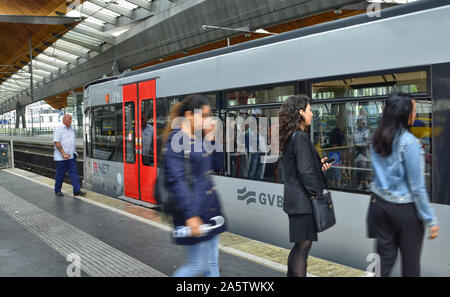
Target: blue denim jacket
x=400 y=177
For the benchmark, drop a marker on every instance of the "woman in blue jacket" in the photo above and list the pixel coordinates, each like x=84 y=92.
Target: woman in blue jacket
x=400 y=205
x=196 y=200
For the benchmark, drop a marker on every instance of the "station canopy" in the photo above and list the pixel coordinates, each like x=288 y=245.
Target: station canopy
x=46 y=42
x=62 y=34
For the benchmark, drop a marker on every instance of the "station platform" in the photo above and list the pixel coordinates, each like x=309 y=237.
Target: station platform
x=39 y=231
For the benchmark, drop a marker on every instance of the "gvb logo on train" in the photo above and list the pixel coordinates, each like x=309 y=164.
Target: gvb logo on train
x=262 y=198
x=248 y=196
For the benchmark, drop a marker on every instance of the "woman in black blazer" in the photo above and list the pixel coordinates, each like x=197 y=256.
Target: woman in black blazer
x=303 y=178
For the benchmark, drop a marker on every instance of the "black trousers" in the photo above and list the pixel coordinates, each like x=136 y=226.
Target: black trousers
x=397 y=226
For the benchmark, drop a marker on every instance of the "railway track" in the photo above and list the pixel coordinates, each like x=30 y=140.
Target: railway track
x=38 y=158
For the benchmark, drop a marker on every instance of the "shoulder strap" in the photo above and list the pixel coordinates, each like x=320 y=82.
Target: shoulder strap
x=187 y=167
x=187 y=170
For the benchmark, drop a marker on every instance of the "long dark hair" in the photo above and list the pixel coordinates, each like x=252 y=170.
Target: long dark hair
x=190 y=103
x=396 y=115
x=290 y=118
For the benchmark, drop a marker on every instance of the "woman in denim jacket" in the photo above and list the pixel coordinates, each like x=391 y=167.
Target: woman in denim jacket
x=400 y=205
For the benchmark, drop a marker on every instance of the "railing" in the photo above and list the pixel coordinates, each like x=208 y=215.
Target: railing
x=36 y=131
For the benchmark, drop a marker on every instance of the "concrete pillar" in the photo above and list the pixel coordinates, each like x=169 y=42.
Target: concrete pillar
x=20 y=113
x=79 y=109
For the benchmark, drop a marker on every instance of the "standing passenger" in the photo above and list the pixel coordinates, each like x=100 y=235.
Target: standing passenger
x=361 y=137
x=257 y=147
x=400 y=203
x=147 y=141
x=196 y=201
x=65 y=156
x=303 y=179
x=336 y=140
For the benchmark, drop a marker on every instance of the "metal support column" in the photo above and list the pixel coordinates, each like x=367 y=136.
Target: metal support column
x=31 y=68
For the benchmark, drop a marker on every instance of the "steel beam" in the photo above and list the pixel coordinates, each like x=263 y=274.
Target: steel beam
x=95 y=26
x=68 y=49
x=86 y=45
x=72 y=51
x=98 y=15
x=26 y=75
x=114 y=7
x=57 y=64
x=60 y=55
x=42 y=72
x=14 y=87
x=21 y=83
x=31 y=70
x=41 y=20
x=142 y=3
x=105 y=37
x=46 y=68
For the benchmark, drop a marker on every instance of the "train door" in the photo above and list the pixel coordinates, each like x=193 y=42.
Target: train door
x=139 y=120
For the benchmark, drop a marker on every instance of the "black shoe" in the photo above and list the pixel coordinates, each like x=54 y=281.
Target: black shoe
x=80 y=193
x=59 y=194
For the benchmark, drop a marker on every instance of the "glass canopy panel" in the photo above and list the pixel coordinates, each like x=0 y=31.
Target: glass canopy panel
x=73 y=46
x=40 y=64
x=56 y=53
x=100 y=10
x=54 y=60
x=83 y=38
x=126 y=5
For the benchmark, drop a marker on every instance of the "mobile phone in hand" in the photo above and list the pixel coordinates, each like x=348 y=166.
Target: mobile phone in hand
x=331 y=161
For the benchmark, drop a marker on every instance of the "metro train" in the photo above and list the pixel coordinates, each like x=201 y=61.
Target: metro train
x=348 y=67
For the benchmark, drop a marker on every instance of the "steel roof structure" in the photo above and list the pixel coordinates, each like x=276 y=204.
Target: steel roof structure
x=106 y=37
x=94 y=28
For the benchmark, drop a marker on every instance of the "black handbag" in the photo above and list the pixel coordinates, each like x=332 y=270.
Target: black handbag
x=323 y=208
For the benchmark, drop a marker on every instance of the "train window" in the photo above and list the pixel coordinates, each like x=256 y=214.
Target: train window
x=118 y=153
x=344 y=131
x=147 y=130
x=106 y=133
x=369 y=86
x=87 y=121
x=277 y=94
x=422 y=129
x=212 y=100
x=130 y=132
x=173 y=101
x=161 y=120
x=253 y=157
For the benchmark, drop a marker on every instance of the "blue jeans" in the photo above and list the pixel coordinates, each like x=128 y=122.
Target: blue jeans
x=335 y=174
x=255 y=169
x=202 y=259
x=61 y=168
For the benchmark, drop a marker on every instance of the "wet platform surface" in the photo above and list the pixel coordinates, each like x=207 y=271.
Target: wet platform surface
x=113 y=237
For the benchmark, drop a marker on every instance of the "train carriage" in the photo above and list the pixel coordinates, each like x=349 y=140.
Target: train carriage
x=348 y=68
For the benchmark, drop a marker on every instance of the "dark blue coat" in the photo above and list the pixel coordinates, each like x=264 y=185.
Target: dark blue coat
x=201 y=198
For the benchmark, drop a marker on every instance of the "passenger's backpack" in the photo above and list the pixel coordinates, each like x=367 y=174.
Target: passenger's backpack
x=164 y=197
